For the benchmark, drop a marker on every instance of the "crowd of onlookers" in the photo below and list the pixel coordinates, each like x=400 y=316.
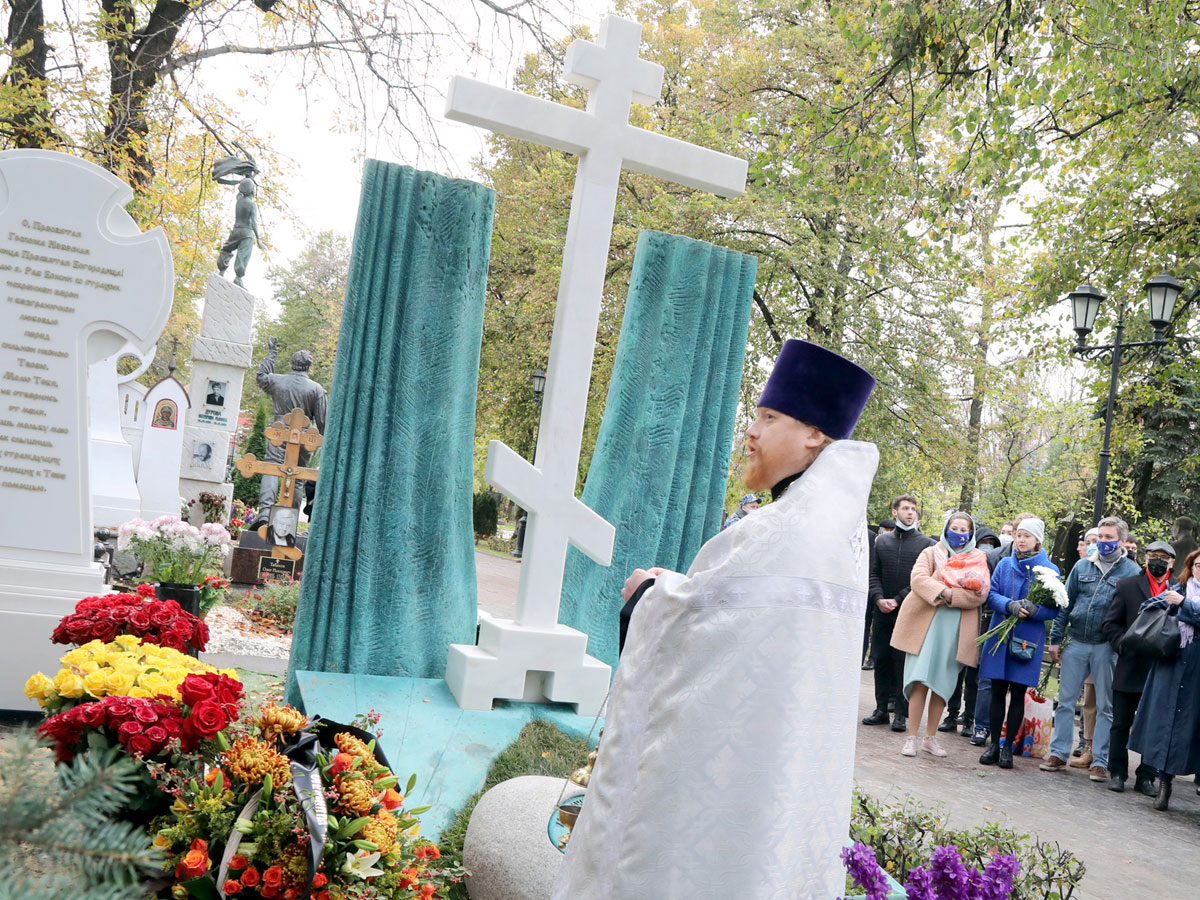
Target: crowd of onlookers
x=931 y=598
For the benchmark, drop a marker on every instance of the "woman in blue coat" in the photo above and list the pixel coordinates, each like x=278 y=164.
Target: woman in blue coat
x=1012 y=672
x=1166 y=730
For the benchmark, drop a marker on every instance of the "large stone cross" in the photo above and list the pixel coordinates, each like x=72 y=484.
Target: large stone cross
x=605 y=142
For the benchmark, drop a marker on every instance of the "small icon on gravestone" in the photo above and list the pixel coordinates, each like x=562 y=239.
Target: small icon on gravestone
x=202 y=455
x=244 y=235
x=166 y=415
x=216 y=393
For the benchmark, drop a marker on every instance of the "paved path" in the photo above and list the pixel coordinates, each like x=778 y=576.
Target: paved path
x=498 y=578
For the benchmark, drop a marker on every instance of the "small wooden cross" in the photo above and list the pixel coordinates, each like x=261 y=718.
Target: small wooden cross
x=295 y=432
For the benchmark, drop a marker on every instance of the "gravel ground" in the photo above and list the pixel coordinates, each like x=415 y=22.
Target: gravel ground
x=231 y=632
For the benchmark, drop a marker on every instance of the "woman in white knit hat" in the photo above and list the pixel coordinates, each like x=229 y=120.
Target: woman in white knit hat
x=1018 y=663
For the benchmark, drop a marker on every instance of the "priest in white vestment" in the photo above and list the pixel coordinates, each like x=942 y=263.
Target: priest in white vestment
x=727 y=758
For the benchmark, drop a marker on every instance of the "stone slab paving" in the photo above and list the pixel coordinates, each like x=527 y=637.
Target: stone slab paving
x=1131 y=851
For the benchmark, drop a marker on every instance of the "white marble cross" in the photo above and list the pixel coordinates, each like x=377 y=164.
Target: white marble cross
x=605 y=142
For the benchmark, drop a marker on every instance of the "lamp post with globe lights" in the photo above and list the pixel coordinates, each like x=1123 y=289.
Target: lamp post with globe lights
x=1161 y=293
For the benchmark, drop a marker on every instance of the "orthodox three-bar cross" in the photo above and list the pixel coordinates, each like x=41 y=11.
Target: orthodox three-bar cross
x=296 y=432
x=605 y=143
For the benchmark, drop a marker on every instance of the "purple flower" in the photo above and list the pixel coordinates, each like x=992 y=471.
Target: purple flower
x=864 y=870
x=997 y=879
x=950 y=877
x=919 y=885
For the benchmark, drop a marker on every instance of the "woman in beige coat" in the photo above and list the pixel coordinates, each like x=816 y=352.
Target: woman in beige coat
x=937 y=639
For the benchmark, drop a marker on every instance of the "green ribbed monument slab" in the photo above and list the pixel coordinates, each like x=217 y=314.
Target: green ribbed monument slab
x=661 y=461
x=389 y=576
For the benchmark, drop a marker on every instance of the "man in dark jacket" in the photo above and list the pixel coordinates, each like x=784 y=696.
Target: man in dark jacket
x=892 y=559
x=1129 y=678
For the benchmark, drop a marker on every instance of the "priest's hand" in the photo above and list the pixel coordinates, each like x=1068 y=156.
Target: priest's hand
x=634 y=581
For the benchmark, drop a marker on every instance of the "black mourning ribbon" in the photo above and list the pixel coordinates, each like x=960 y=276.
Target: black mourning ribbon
x=301 y=752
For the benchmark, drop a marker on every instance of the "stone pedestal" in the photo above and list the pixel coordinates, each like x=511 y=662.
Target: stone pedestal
x=507 y=847
x=220 y=356
x=521 y=662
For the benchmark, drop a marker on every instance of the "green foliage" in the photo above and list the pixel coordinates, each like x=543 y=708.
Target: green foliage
x=311 y=291
x=541 y=749
x=246 y=489
x=485 y=514
x=904 y=836
x=60 y=833
x=275 y=602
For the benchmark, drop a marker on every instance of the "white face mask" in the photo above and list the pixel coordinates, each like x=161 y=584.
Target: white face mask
x=1006 y=541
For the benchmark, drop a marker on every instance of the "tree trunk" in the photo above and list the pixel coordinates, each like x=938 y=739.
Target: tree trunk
x=30 y=123
x=979 y=370
x=135 y=58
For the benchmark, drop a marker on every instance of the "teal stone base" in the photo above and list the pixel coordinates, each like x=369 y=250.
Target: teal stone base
x=426 y=734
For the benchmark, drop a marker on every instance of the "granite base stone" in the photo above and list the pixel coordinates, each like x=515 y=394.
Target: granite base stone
x=507 y=848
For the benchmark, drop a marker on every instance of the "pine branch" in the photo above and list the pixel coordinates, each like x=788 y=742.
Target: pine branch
x=57 y=836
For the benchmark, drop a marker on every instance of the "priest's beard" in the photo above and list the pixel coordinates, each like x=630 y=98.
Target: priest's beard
x=764 y=473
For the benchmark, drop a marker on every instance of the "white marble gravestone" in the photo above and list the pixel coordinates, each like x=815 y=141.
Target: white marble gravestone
x=166 y=406
x=533 y=656
x=131 y=399
x=115 y=497
x=220 y=356
x=80 y=280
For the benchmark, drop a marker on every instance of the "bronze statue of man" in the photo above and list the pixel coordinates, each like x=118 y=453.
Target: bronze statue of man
x=295 y=390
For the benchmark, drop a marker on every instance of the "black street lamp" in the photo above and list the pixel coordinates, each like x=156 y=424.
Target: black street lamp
x=1161 y=293
x=538 y=382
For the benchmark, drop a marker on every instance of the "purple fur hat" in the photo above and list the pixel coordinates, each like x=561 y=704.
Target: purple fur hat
x=818 y=387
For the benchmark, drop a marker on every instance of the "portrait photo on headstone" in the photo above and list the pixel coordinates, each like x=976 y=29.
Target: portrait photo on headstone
x=216 y=393
x=202 y=454
x=284 y=522
x=166 y=415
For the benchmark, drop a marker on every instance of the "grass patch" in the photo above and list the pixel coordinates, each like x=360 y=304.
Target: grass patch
x=541 y=749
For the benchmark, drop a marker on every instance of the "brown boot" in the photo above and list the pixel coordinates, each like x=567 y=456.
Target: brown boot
x=1053 y=764
x=1084 y=759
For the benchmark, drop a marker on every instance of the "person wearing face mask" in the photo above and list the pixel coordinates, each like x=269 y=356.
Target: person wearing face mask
x=937 y=638
x=1129 y=678
x=1090 y=587
x=982 y=710
x=1017 y=663
x=1166 y=730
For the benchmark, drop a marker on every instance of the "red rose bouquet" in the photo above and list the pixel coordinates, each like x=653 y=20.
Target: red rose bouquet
x=143 y=615
x=149 y=727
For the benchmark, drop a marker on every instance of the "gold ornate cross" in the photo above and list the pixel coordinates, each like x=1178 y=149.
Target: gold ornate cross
x=296 y=431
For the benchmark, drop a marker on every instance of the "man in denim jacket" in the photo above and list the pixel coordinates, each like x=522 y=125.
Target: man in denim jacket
x=1090 y=586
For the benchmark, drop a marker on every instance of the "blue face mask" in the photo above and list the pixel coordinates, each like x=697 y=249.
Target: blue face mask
x=956 y=539
x=1107 y=548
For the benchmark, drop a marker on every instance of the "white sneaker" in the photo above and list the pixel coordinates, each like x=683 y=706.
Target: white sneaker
x=930 y=745
x=910 y=747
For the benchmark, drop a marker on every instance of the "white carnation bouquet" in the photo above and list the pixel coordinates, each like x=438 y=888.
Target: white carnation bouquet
x=1047 y=589
x=176 y=552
